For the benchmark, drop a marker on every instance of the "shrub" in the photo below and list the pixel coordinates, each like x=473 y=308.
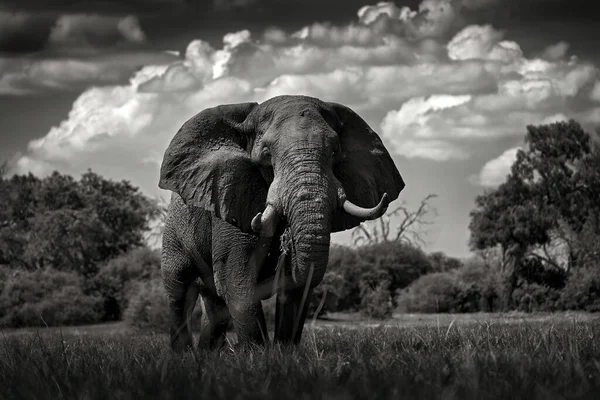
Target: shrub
x=533 y=297
x=46 y=297
x=399 y=263
x=485 y=278
x=329 y=292
x=582 y=290
x=377 y=301
x=432 y=293
x=148 y=308
x=116 y=279
x=471 y=288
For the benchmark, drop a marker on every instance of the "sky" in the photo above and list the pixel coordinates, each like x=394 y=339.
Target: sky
x=449 y=85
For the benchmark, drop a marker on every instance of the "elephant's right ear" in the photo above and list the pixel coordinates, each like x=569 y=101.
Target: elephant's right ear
x=208 y=164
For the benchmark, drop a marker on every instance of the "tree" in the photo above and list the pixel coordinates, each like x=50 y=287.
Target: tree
x=408 y=230
x=550 y=192
x=66 y=224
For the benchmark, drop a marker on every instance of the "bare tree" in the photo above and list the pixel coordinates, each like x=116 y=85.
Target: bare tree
x=409 y=229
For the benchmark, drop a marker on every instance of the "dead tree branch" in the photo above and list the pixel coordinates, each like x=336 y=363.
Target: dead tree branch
x=408 y=229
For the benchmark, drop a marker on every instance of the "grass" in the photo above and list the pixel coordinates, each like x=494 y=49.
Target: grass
x=467 y=357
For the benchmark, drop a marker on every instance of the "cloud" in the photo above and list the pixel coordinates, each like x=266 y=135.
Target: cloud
x=494 y=172
x=20 y=76
x=420 y=119
x=22 y=32
x=430 y=96
x=483 y=43
x=556 y=51
x=595 y=93
x=94 y=29
x=71 y=51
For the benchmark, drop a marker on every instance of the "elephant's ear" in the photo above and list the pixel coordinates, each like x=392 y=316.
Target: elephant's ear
x=208 y=164
x=367 y=170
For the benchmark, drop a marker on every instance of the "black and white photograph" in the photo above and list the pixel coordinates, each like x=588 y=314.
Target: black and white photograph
x=299 y=199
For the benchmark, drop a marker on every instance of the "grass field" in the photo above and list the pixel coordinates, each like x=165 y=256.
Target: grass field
x=551 y=356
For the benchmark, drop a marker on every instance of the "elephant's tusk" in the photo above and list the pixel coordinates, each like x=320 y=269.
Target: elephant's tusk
x=256 y=223
x=367 y=213
x=264 y=222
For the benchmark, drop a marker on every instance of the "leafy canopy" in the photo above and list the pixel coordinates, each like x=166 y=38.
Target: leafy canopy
x=553 y=185
x=66 y=224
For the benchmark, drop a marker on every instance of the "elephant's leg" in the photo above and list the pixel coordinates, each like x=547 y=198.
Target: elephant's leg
x=237 y=259
x=290 y=313
x=182 y=294
x=248 y=319
x=214 y=323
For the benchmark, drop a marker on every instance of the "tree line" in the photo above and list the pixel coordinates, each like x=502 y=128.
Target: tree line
x=75 y=250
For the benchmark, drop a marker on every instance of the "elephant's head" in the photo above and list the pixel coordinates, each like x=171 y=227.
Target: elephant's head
x=314 y=166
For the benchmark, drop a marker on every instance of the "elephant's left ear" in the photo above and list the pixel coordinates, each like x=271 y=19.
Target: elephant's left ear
x=208 y=164
x=367 y=170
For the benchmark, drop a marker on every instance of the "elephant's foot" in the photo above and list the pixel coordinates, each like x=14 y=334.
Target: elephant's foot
x=214 y=323
x=209 y=341
x=249 y=321
x=181 y=340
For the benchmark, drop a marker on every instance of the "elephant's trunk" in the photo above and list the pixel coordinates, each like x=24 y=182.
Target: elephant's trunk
x=308 y=206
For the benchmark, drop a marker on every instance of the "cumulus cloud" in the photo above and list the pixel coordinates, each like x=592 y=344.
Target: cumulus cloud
x=430 y=97
x=484 y=43
x=92 y=29
x=494 y=172
x=556 y=51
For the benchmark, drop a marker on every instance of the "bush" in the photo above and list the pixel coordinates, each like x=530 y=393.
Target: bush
x=477 y=274
x=433 y=293
x=377 y=302
x=329 y=292
x=116 y=279
x=148 y=308
x=582 y=291
x=471 y=288
x=533 y=297
x=399 y=263
x=46 y=297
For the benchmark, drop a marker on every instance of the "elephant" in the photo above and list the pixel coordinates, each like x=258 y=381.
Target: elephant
x=257 y=189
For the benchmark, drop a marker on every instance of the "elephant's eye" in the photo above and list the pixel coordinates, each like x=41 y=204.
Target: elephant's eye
x=265 y=154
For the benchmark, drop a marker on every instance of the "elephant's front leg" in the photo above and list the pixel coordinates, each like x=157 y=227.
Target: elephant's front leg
x=290 y=313
x=215 y=319
x=248 y=320
x=238 y=277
